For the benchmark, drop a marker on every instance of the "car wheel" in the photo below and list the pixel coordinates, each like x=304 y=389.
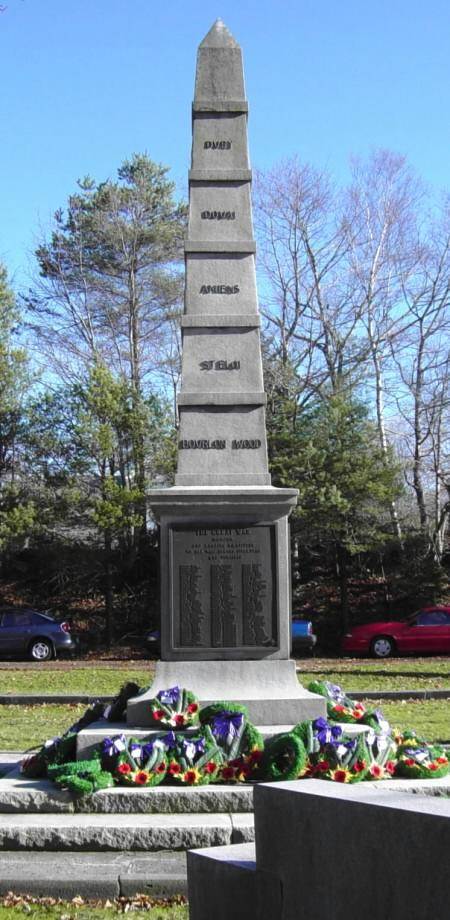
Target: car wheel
x=41 y=650
x=382 y=647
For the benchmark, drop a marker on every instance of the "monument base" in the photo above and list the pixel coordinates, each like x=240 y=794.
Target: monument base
x=269 y=689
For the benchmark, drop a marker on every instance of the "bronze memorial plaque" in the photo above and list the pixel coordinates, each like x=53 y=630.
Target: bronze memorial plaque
x=223 y=587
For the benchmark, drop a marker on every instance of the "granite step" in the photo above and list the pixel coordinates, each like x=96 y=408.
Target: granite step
x=123 y=832
x=41 y=796
x=89 y=874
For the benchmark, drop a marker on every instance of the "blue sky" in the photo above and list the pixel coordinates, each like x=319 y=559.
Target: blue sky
x=85 y=83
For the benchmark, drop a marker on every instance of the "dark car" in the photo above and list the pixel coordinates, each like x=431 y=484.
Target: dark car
x=27 y=632
x=426 y=631
x=302 y=638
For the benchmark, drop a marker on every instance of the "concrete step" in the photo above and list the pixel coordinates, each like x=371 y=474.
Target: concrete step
x=92 y=875
x=121 y=832
x=41 y=796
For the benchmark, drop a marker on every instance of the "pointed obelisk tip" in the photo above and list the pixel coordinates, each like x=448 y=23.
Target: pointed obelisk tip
x=219 y=37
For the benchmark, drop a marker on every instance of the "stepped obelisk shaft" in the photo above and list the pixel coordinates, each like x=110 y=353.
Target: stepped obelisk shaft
x=222 y=436
x=224 y=535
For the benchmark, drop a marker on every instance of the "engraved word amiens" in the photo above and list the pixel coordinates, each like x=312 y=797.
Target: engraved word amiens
x=219 y=289
x=218 y=215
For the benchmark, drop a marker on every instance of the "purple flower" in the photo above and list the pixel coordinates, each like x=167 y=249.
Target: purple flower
x=147 y=751
x=227 y=723
x=170 y=740
x=169 y=697
x=335 y=692
x=193 y=747
x=112 y=746
x=326 y=733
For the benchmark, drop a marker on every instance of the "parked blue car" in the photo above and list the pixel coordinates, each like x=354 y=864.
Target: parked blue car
x=303 y=638
x=30 y=634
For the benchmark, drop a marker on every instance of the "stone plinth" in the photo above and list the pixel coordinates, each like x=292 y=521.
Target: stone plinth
x=269 y=689
x=225 y=573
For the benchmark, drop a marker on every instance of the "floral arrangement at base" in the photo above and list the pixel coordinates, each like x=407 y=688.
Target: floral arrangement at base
x=339 y=706
x=284 y=757
x=382 y=747
x=81 y=777
x=135 y=763
x=233 y=732
x=175 y=707
x=196 y=760
x=418 y=760
x=331 y=754
x=222 y=746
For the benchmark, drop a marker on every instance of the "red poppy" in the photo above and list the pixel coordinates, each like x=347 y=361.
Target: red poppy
x=410 y=762
x=141 y=778
x=323 y=765
x=210 y=767
x=174 y=768
x=433 y=766
x=357 y=713
x=359 y=766
x=228 y=773
x=390 y=767
x=339 y=708
x=158 y=714
x=179 y=719
x=340 y=776
x=161 y=768
x=255 y=756
x=441 y=760
x=376 y=770
x=124 y=768
x=191 y=776
x=193 y=707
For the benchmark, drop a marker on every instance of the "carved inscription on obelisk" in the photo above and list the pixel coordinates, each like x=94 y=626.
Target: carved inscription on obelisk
x=222 y=437
x=226 y=594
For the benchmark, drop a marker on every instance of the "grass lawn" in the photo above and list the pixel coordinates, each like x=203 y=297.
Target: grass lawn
x=367 y=674
x=430 y=719
x=93 y=679
x=16 y=908
x=23 y=727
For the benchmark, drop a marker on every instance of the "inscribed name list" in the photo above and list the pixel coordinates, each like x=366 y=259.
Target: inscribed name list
x=224 y=591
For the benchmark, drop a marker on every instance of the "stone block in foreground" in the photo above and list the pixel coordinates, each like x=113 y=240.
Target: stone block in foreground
x=325 y=850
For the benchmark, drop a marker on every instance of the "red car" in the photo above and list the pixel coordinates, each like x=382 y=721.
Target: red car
x=427 y=630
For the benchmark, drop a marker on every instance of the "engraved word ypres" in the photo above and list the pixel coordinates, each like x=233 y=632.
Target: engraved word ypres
x=217 y=145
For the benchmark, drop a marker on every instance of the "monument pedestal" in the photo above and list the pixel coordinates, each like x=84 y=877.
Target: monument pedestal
x=225 y=602
x=225 y=572
x=269 y=689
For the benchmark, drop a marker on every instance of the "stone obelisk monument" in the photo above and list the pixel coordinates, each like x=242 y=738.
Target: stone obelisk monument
x=225 y=573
